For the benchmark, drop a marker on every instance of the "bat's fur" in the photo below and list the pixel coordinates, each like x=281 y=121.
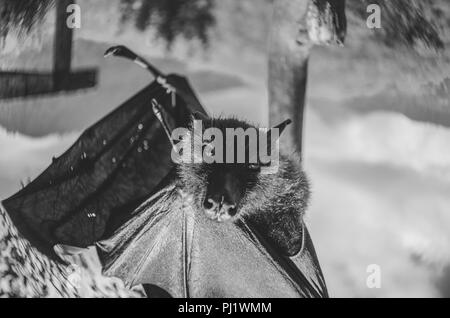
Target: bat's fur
x=273 y=203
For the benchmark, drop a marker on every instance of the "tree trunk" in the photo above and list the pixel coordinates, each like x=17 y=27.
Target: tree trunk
x=296 y=26
x=62 y=54
x=288 y=68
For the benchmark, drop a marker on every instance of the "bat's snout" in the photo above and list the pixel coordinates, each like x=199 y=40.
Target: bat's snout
x=219 y=208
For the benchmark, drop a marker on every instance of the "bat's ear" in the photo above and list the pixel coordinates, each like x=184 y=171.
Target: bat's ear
x=277 y=131
x=281 y=127
x=199 y=116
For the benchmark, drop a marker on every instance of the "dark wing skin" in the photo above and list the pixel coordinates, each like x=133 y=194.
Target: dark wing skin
x=185 y=92
x=170 y=245
x=88 y=192
x=284 y=229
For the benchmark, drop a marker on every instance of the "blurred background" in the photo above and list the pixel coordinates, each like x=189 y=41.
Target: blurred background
x=377 y=125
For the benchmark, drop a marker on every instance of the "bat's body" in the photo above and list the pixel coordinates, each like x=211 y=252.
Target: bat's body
x=275 y=202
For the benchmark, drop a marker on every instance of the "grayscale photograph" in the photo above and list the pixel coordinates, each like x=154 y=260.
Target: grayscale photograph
x=240 y=152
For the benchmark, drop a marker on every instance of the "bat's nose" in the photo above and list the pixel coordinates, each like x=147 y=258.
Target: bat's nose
x=218 y=208
x=210 y=204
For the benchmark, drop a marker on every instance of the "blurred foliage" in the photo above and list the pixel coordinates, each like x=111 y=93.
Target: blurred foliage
x=407 y=22
x=22 y=15
x=404 y=22
x=171 y=18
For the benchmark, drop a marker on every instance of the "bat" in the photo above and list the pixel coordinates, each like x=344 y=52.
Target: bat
x=117 y=188
x=250 y=243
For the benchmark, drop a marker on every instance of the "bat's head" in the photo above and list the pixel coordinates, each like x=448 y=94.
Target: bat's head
x=228 y=166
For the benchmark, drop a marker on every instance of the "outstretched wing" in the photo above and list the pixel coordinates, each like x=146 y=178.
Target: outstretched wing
x=90 y=190
x=93 y=189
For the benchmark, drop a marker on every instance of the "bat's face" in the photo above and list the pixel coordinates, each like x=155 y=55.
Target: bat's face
x=226 y=186
x=221 y=188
